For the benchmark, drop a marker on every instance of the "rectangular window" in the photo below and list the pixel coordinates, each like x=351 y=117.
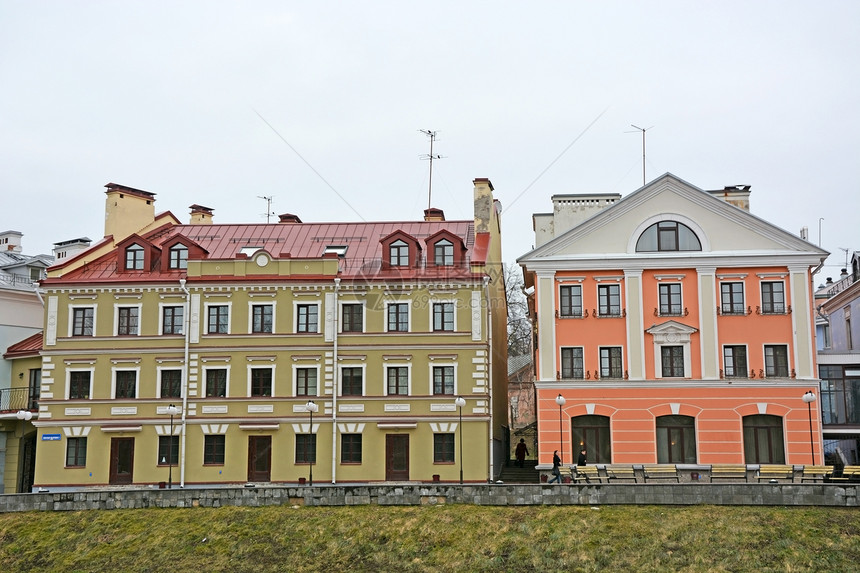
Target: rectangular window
x=609 y=300
x=261 y=381
x=732 y=298
x=353 y=317
x=82 y=321
x=306 y=381
x=76 y=452
x=172 y=318
x=168 y=450
x=127 y=320
x=776 y=360
x=443 y=448
x=213 y=450
x=443 y=253
x=306 y=448
x=219 y=316
x=178 y=257
x=572 y=364
x=672 y=359
x=398 y=317
x=79 y=385
x=735 y=361
x=134 y=258
x=307 y=315
x=443 y=380
x=126 y=384
x=398 y=381
x=216 y=382
x=570 y=299
x=443 y=316
x=350 y=448
x=351 y=381
x=773 y=298
x=171 y=383
x=35 y=388
x=398 y=254
x=610 y=362
x=670 y=300
x=261 y=318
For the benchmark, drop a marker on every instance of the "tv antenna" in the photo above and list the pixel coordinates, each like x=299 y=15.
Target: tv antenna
x=643 y=130
x=846 y=255
x=269 y=212
x=430 y=157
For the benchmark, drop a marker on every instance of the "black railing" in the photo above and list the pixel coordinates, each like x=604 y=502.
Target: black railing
x=14 y=399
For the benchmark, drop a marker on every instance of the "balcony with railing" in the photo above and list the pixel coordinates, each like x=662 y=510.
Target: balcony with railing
x=15 y=399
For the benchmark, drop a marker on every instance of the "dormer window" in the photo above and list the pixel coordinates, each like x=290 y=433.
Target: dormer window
x=399 y=253
x=134 y=258
x=178 y=256
x=443 y=253
x=668 y=236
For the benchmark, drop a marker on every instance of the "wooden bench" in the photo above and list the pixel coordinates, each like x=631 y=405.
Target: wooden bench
x=661 y=471
x=815 y=473
x=775 y=472
x=586 y=473
x=620 y=472
x=728 y=471
x=849 y=473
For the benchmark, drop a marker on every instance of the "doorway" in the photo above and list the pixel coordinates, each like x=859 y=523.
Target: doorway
x=259 y=458
x=121 y=461
x=396 y=457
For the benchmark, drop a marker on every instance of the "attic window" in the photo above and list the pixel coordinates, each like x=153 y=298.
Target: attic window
x=668 y=236
x=399 y=253
x=134 y=258
x=178 y=256
x=339 y=250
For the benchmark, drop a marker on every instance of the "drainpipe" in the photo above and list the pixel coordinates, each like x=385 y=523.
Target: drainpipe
x=186 y=328
x=38 y=293
x=335 y=326
x=489 y=307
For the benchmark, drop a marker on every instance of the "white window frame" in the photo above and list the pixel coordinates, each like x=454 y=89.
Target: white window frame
x=251 y=305
x=161 y=307
x=206 y=306
x=581 y=299
x=69 y=371
x=408 y=304
x=433 y=303
x=116 y=308
x=363 y=368
x=158 y=371
x=340 y=305
x=227 y=382
x=388 y=365
x=254 y=366
x=433 y=365
x=320 y=317
x=72 y=308
x=296 y=368
x=113 y=372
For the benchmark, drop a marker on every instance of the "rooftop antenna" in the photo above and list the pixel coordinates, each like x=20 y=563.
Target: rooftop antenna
x=637 y=128
x=846 y=255
x=268 y=200
x=430 y=157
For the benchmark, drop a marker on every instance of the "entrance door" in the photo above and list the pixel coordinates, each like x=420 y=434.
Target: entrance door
x=396 y=457
x=259 y=458
x=27 y=463
x=121 y=460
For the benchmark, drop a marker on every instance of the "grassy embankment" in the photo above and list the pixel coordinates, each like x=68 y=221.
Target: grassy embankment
x=441 y=538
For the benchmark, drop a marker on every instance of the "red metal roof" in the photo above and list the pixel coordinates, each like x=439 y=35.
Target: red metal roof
x=30 y=346
x=363 y=257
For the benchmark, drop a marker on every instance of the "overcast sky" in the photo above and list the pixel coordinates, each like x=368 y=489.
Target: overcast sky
x=319 y=106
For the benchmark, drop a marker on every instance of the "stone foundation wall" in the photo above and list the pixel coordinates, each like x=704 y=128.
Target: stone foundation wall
x=785 y=494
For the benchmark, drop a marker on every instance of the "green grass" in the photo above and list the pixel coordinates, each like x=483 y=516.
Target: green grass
x=440 y=538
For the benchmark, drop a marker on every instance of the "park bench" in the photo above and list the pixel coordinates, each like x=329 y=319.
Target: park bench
x=849 y=473
x=728 y=471
x=586 y=474
x=815 y=473
x=620 y=472
x=661 y=471
x=775 y=472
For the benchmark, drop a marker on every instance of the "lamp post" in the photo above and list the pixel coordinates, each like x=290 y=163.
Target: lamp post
x=809 y=398
x=172 y=410
x=460 y=402
x=311 y=407
x=560 y=401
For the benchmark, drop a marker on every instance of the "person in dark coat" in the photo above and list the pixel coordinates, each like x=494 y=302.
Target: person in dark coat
x=521 y=452
x=556 y=470
x=581 y=460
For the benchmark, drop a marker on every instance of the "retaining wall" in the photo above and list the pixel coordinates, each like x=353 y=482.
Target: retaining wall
x=785 y=494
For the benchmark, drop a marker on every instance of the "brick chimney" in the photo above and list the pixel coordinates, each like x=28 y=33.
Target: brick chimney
x=200 y=215
x=127 y=210
x=289 y=218
x=434 y=214
x=737 y=195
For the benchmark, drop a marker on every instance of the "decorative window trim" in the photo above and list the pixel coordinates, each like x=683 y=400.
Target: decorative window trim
x=432 y=305
x=116 y=309
x=569 y=279
x=69 y=371
x=771 y=275
x=408 y=367
x=113 y=373
x=252 y=304
x=320 y=316
x=203 y=380
x=614 y=278
x=363 y=303
x=205 y=317
x=72 y=308
x=408 y=304
x=363 y=368
x=670 y=277
x=672 y=333
x=159 y=370
x=431 y=377
x=251 y=367
x=296 y=368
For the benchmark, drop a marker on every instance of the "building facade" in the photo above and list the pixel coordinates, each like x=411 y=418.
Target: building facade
x=673 y=327
x=211 y=354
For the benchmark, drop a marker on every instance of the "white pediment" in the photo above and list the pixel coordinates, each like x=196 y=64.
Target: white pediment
x=671 y=332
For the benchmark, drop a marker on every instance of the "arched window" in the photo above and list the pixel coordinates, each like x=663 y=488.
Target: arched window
x=134 y=258
x=668 y=236
x=179 y=256
x=443 y=253
x=763 y=439
x=592 y=433
x=676 y=440
x=399 y=253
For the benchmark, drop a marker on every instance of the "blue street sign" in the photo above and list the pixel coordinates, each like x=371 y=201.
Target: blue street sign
x=50 y=437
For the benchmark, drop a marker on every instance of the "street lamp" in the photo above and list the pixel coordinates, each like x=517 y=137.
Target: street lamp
x=460 y=402
x=172 y=410
x=24 y=415
x=311 y=407
x=809 y=398
x=560 y=401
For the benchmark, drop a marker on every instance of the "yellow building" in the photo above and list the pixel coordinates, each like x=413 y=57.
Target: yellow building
x=213 y=354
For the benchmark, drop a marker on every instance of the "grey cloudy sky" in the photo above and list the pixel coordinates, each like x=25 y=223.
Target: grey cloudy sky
x=168 y=97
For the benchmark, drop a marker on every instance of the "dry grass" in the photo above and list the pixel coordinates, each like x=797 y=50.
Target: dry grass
x=442 y=538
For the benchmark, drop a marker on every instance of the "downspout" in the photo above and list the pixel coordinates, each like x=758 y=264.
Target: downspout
x=186 y=329
x=335 y=326
x=36 y=286
x=489 y=308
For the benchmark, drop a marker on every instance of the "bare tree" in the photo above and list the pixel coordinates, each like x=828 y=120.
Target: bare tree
x=519 y=326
